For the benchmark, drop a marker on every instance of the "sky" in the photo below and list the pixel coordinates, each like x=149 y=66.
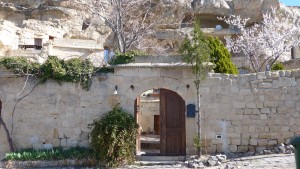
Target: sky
x=291 y=2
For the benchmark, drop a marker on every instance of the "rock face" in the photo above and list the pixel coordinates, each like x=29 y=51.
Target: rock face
x=71 y=19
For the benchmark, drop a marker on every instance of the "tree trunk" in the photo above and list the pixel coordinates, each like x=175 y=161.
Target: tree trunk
x=2 y=123
x=197 y=83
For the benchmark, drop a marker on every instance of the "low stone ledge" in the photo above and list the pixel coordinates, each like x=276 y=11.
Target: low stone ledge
x=52 y=163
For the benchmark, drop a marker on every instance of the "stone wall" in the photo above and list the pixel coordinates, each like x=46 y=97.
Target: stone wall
x=292 y=64
x=248 y=112
x=149 y=106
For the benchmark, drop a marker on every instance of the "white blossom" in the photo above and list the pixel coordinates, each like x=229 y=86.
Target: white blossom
x=266 y=42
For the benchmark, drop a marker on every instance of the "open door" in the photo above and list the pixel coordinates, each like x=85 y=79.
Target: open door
x=172 y=112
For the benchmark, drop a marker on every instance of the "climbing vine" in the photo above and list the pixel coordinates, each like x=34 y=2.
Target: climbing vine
x=73 y=70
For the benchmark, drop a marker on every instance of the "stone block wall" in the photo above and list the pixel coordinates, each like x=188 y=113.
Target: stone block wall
x=52 y=114
x=250 y=112
x=239 y=113
x=292 y=64
x=149 y=106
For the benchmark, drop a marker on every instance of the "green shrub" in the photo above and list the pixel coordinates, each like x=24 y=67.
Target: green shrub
x=277 y=66
x=20 y=65
x=53 y=69
x=123 y=58
x=54 y=154
x=79 y=71
x=197 y=142
x=113 y=137
x=221 y=57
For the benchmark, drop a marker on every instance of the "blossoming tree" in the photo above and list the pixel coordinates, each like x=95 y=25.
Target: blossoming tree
x=265 y=42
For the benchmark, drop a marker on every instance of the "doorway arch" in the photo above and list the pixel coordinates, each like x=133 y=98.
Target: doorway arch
x=167 y=134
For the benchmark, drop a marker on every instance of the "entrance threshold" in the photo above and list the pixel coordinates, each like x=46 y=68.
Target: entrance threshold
x=159 y=158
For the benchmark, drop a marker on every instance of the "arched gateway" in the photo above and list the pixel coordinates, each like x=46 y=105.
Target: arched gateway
x=162 y=130
x=175 y=81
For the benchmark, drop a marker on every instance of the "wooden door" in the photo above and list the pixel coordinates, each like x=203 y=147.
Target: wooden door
x=172 y=112
x=137 y=115
x=156 y=124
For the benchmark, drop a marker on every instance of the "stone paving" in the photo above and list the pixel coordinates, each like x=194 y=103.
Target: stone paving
x=273 y=161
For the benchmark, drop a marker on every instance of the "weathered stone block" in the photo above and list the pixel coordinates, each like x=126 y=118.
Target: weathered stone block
x=263 y=116
x=253 y=142
x=217 y=141
x=271 y=104
x=233 y=148
x=262 y=142
x=285 y=128
x=245 y=142
x=285 y=81
x=245 y=134
x=261 y=148
x=265 y=85
x=242 y=149
x=235 y=89
x=260 y=129
x=265 y=110
x=247 y=111
x=251 y=105
x=245 y=91
x=236 y=122
x=220 y=148
x=272 y=142
x=235 y=141
x=239 y=105
x=265 y=135
x=233 y=135
x=212 y=149
x=63 y=142
x=274 y=75
x=214 y=81
x=290 y=104
x=295 y=128
x=252 y=128
x=261 y=75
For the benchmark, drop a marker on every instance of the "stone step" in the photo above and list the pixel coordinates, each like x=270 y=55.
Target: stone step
x=158 y=163
x=160 y=158
x=150 y=146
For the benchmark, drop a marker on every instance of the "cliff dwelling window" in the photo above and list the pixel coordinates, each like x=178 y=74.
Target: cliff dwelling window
x=108 y=54
x=187 y=20
x=85 y=24
x=38 y=43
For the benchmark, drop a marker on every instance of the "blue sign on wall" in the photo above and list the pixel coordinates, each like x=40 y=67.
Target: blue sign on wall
x=191 y=110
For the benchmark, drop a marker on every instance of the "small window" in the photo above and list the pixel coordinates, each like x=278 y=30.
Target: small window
x=38 y=43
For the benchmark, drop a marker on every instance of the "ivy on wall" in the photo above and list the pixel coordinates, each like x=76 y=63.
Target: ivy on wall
x=73 y=70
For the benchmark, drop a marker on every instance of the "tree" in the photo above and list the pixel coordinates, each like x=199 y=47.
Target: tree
x=221 y=57
x=265 y=42
x=197 y=52
x=8 y=136
x=129 y=20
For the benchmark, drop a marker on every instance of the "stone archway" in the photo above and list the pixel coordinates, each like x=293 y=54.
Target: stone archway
x=167 y=134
